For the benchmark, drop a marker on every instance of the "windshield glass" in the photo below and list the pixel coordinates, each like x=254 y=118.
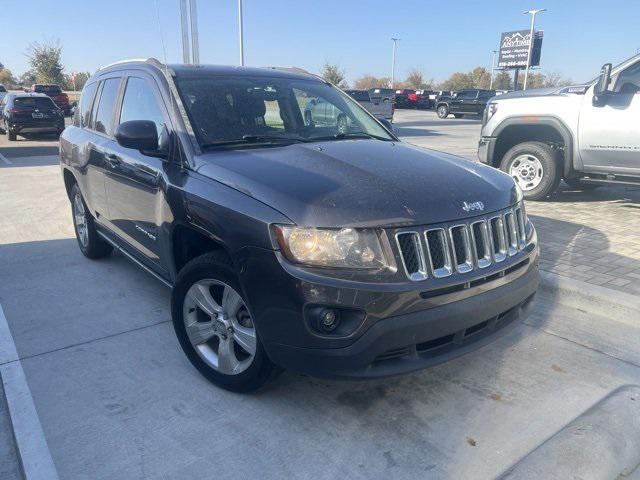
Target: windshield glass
x=2 y=89
x=229 y=110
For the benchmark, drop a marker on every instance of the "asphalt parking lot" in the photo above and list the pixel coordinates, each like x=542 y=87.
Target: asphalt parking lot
x=117 y=399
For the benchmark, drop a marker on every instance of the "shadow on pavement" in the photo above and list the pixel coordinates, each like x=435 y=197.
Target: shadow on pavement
x=402 y=131
x=616 y=194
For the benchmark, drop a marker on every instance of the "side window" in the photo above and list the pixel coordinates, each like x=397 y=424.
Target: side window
x=629 y=80
x=88 y=92
x=106 y=106
x=140 y=103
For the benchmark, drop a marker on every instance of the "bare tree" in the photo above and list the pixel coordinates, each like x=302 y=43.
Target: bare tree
x=369 y=81
x=415 y=80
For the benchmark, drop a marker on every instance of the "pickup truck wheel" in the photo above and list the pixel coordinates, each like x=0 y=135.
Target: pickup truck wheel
x=90 y=243
x=215 y=328
x=442 y=111
x=534 y=167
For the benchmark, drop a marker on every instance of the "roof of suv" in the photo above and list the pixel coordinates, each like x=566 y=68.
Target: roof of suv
x=28 y=94
x=179 y=69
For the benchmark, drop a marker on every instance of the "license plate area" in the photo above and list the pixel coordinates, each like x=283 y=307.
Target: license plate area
x=37 y=115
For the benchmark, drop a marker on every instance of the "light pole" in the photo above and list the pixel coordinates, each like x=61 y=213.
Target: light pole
x=533 y=14
x=493 y=67
x=240 y=32
x=393 y=61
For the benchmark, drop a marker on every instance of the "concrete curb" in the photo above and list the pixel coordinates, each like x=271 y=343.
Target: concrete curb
x=602 y=443
x=594 y=298
x=33 y=452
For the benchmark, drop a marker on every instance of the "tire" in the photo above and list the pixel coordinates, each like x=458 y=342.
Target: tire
x=11 y=136
x=206 y=283
x=90 y=243
x=575 y=184
x=442 y=111
x=535 y=167
x=458 y=115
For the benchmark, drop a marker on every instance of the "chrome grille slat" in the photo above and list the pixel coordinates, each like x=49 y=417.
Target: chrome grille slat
x=438 y=252
x=481 y=243
x=462 y=247
x=511 y=233
x=412 y=255
x=498 y=240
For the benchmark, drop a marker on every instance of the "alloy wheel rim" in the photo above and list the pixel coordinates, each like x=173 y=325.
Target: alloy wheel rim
x=80 y=218
x=219 y=326
x=441 y=111
x=527 y=171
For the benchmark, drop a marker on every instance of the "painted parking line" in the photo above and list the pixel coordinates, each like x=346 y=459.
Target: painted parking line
x=33 y=451
x=5 y=160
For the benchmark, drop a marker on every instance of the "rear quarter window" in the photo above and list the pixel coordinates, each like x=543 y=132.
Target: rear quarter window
x=86 y=100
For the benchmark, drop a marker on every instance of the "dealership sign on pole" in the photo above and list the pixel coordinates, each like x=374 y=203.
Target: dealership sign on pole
x=514 y=49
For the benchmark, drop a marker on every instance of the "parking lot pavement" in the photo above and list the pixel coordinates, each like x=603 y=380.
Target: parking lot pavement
x=117 y=399
x=590 y=236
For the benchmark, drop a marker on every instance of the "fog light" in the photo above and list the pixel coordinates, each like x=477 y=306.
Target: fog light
x=329 y=320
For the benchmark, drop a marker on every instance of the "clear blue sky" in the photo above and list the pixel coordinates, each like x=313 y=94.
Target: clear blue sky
x=438 y=37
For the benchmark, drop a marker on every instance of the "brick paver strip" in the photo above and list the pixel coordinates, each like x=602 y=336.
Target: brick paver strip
x=592 y=236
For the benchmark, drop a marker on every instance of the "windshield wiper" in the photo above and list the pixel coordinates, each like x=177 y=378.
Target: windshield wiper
x=343 y=135
x=254 y=140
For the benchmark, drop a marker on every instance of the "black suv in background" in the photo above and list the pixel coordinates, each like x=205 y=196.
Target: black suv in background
x=29 y=113
x=464 y=102
x=334 y=250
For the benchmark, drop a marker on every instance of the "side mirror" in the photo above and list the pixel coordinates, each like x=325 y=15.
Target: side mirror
x=600 y=89
x=138 y=135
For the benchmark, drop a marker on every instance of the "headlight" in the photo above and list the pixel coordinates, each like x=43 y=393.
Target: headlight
x=341 y=248
x=491 y=109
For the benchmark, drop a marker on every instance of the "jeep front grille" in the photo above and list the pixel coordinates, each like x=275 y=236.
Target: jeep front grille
x=462 y=247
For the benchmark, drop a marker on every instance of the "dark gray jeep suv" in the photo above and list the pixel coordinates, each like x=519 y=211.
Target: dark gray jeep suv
x=333 y=250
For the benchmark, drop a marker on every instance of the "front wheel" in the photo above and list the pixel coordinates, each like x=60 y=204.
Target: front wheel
x=215 y=328
x=442 y=111
x=535 y=168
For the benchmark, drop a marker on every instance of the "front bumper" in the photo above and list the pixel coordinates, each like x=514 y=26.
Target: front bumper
x=403 y=330
x=486 y=146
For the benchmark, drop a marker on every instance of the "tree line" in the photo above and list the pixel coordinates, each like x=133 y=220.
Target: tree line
x=479 y=77
x=45 y=66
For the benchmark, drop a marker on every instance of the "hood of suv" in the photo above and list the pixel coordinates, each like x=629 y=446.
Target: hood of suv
x=543 y=92
x=361 y=183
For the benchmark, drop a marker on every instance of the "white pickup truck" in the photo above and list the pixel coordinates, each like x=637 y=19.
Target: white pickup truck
x=587 y=135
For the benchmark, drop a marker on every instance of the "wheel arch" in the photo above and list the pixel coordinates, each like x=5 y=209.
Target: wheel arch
x=547 y=129
x=189 y=242
x=69 y=180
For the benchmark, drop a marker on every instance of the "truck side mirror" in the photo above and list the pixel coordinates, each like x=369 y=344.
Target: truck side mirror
x=600 y=90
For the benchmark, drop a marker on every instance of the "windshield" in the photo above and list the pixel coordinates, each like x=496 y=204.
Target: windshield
x=2 y=89
x=237 y=110
x=33 y=102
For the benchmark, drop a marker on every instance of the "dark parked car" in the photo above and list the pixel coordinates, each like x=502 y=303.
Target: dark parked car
x=406 y=98
x=29 y=113
x=333 y=252
x=60 y=98
x=464 y=102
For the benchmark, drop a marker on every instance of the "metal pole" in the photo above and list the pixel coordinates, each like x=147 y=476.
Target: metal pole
x=240 y=30
x=493 y=68
x=393 y=62
x=533 y=14
x=184 y=23
x=195 y=49
x=515 y=78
